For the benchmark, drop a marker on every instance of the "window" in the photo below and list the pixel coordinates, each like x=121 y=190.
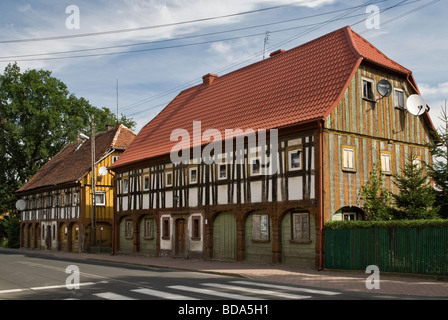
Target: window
x=417 y=161
x=75 y=198
x=149 y=228
x=367 y=89
x=222 y=171
x=55 y=200
x=255 y=166
x=300 y=226
x=168 y=178
x=100 y=198
x=399 y=99
x=125 y=184
x=166 y=228
x=196 y=231
x=129 y=229
x=68 y=199
x=346 y=216
x=348 y=158
x=193 y=175
x=146 y=182
x=295 y=157
x=260 y=227
x=62 y=203
x=386 y=162
x=115 y=159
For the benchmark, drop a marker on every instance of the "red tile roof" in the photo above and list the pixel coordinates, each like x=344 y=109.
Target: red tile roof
x=73 y=163
x=292 y=87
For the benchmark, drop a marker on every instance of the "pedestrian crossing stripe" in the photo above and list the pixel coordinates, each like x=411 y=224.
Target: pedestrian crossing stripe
x=162 y=294
x=215 y=293
x=277 y=294
x=274 y=286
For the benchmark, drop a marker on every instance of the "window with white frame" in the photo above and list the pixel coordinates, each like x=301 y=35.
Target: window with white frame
x=146 y=182
x=386 y=162
x=367 y=89
x=193 y=175
x=300 y=222
x=417 y=161
x=125 y=185
x=222 y=171
x=100 y=198
x=260 y=227
x=115 y=159
x=348 y=216
x=399 y=99
x=348 y=158
x=295 y=158
x=255 y=166
x=168 y=178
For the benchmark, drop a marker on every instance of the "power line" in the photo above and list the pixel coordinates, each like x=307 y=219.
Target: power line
x=174 y=39
x=402 y=3
x=156 y=26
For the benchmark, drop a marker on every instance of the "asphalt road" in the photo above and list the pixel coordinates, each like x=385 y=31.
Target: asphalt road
x=40 y=277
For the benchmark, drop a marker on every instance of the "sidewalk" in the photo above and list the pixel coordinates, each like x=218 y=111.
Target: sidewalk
x=355 y=281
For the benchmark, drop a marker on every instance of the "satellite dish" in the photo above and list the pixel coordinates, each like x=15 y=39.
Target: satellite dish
x=21 y=205
x=102 y=171
x=416 y=105
x=384 y=88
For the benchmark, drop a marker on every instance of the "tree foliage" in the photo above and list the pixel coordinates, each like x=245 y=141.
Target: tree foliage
x=415 y=198
x=375 y=197
x=439 y=169
x=38 y=117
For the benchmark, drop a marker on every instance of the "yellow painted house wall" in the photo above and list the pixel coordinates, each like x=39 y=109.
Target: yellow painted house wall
x=103 y=184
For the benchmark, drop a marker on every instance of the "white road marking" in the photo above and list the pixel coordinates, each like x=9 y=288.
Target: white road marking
x=162 y=294
x=273 y=286
x=112 y=296
x=257 y=291
x=215 y=293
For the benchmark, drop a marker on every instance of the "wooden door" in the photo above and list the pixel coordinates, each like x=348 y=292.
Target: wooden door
x=180 y=237
x=224 y=237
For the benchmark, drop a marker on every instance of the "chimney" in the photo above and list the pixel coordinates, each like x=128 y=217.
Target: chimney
x=209 y=78
x=275 y=53
x=109 y=127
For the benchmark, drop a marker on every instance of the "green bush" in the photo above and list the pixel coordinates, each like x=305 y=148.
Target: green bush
x=426 y=223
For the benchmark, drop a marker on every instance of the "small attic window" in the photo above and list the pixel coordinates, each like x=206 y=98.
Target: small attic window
x=367 y=89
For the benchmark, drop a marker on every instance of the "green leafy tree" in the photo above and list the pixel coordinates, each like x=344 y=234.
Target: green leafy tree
x=38 y=117
x=439 y=168
x=415 y=198
x=375 y=197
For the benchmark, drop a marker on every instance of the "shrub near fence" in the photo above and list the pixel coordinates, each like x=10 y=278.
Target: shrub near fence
x=408 y=246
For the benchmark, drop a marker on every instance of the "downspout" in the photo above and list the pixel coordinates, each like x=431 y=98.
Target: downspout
x=321 y=195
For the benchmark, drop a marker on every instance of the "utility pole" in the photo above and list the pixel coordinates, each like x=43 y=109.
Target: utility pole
x=118 y=121
x=93 y=226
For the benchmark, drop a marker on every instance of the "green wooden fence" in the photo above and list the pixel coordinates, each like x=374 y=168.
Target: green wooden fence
x=407 y=250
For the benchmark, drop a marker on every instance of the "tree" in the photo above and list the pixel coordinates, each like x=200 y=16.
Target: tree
x=376 y=198
x=38 y=117
x=439 y=169
x=415 y=198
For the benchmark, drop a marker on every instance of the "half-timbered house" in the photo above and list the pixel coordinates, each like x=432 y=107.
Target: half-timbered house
x=315 y=115
x=58 y=212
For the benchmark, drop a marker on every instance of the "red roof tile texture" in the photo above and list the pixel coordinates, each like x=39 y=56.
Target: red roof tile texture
x=73 y=163
x=292 y=87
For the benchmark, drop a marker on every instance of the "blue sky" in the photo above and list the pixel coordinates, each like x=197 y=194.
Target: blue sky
x=230 y=35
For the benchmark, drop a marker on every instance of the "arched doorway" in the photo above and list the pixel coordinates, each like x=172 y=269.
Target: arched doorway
x=225 y=236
